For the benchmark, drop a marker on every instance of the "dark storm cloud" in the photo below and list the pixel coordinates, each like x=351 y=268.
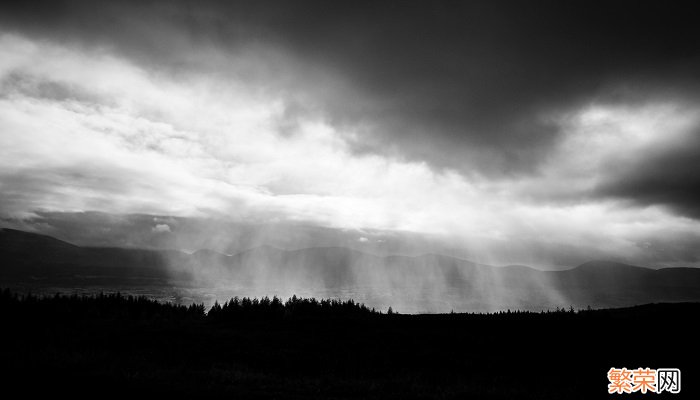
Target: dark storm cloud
x=460 y=84
x=667 y=176
x=467 y=85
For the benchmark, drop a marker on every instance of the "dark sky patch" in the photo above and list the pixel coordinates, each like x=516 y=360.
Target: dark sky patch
x=667 y=176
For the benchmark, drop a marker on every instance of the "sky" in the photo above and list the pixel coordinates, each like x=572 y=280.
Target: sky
x=542 y=133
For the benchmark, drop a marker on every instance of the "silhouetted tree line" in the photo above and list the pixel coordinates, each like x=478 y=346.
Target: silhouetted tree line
x=101 y=306
x=118 y=306
x=274 y=308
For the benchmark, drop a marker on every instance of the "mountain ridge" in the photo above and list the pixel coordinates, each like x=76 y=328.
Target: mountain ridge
x=429 y=278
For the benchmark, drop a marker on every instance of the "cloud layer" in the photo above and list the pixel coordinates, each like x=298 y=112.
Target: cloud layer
x=464 y=85
x=488 y=125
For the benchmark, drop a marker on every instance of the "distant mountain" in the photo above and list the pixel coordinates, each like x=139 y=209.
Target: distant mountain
x=609 y=284
x=26 y=255
x=435 y=281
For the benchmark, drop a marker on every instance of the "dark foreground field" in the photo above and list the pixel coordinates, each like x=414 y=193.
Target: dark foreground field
x=112 y=345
